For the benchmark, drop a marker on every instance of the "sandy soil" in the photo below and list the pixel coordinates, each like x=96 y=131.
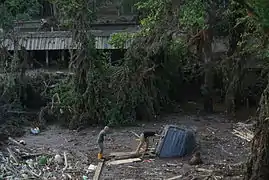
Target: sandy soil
x=220 y=149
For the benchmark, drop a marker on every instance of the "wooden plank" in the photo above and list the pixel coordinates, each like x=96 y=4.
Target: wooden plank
x=128 y=155
x=124 y=161
x=98 y=170
x=135 y=135
x=124 y=155
x=114 y=154
x=175 y=177
x=13 y=155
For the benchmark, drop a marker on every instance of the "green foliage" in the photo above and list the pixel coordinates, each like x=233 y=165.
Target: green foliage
x=73 y=12
x=111 y=94
x=183 y=60
x=9 y=92
x=64 y=90
x=118 y=40
x=192 y=15
x=153 y=10
x=261 y=8
x=17 y=10
x=254 y=40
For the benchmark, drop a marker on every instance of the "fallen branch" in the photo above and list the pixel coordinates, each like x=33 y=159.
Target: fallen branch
x=33 y=173
x=13 y=155
x=124 y=161
x=175 y=177
x=243 y=135
x=12 y=170
x=124 y=155
x=19 y=144
x=56 y=95
x=135 y=134
x=28 y=156
x=244 y=125
x=204 y=170
x=65 y=162
x=22 y=112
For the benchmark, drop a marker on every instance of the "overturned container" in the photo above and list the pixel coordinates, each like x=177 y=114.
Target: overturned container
x=176 y=142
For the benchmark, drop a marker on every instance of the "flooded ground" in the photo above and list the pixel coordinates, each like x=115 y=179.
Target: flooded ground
x=222 y=152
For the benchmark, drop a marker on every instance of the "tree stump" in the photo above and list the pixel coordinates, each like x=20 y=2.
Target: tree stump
x=258 y=164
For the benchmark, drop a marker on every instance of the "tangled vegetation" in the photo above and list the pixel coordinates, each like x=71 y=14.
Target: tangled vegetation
x=137 y=88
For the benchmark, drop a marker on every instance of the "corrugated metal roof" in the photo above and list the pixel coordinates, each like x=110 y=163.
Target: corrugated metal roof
x=176 y=142
x=42 y=43
x=58 y=40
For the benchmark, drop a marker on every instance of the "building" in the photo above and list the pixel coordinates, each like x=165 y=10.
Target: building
x=46 y=40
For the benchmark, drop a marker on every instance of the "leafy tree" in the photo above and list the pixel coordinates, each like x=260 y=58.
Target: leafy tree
x=17 y=10
x=255 y=43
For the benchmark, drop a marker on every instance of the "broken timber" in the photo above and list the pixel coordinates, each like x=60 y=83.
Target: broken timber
x=124 y=155
x=124 y=161
x=98 y=170
x=135 y=134
x=127 y=155
x=174 y=178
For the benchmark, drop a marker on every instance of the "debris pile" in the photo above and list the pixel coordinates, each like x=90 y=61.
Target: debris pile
x=244 y=131
x=20 y=162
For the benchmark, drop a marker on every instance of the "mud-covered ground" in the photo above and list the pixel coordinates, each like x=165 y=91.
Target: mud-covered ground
x=221 y=150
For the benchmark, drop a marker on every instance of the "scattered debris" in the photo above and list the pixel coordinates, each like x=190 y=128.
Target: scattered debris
x=50 y=156
x=13 y=156
x=92 y=167
x=21 y=162
x=22 y=142
x=19 y=144
x=35 y=131
x=58 y=159
x=172 y=165
x=196 y=159
x=243 y=131
x=85 y=177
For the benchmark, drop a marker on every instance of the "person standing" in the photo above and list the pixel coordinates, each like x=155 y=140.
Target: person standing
x=100 y=141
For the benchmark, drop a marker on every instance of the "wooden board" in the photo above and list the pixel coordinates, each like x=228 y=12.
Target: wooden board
x=114 y=154
x=174 y=178
x=98 y=170
x=128 y=155
x=124 y=161
x=124 y=155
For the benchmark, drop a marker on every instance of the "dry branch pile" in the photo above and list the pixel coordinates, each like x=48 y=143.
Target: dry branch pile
x=243 y=131
x=20 y=162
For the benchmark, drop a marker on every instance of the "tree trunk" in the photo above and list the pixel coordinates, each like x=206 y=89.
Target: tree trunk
x=207 y=56
x=258 y=164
